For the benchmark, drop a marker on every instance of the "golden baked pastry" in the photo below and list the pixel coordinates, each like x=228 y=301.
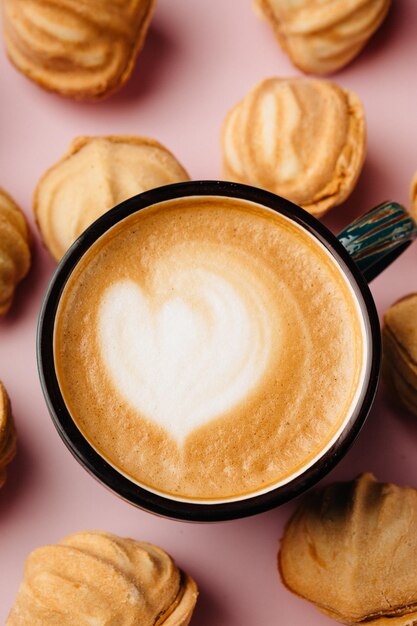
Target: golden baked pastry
x=83 y=49
x=14 y=249
x=300 y=138
x=322 y=36
x=92 y=177
x=351 y=549
x=7 y=434
x=399 y=335
x=99 y=578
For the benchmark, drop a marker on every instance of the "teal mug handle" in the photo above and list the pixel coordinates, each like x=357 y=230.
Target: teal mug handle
x=377 y=238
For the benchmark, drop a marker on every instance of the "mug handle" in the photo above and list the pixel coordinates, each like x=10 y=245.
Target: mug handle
x=377 y=238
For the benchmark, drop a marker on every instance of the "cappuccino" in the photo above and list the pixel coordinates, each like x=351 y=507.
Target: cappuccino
x=209 y=348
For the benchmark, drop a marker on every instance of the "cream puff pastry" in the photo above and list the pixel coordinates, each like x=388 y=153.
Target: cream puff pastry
x=322 y=36
x=351 y=549
x=102 y=579
x=300 y=138
x=92 y=177
x=83 y=49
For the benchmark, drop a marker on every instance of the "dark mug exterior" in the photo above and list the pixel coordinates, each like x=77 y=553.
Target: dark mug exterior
x=106 y=473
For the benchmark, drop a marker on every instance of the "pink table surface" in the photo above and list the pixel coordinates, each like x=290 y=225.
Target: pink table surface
x=199 y=59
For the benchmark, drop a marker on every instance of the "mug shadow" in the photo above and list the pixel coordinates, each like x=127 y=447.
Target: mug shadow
x=379 y=446
x=405 y=417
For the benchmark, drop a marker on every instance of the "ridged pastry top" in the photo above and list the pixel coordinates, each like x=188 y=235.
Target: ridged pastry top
x=80 y=48
x=14 y=249
x=351 y=548
x=92 y=177
x=206 y=325
x=321 y=36
x=302 y=139
x=98 y=579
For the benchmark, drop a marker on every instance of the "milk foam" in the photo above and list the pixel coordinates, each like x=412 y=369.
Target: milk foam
x=208 y=349
x=191 y=355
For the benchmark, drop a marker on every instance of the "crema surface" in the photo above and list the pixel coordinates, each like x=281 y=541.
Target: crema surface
x=208 y=348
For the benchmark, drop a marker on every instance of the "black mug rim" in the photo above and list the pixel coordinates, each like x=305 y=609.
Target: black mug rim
x=97 y=465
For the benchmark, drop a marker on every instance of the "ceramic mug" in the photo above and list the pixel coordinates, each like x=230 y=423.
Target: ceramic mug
x=362 y=251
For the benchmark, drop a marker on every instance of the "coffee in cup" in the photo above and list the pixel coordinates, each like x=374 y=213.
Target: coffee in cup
x=209 y=348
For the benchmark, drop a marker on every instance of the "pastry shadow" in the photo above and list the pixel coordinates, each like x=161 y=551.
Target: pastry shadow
x=22 y=295
x=148 y=71
x=31 y=288
x=364 y=197
x=376 y=46
x=209 y=608
x=377 y=43
x=20 y=478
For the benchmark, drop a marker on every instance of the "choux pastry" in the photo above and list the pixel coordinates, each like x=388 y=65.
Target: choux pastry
x=322 y=36
x=300 y=138
x=92 y=177
x=351 y=549
x=399 y=335
x=7 y=434
x=83 y=50
x=14 y=249
x=99 y=578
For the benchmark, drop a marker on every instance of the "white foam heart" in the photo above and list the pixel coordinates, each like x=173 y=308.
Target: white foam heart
x=188 y=357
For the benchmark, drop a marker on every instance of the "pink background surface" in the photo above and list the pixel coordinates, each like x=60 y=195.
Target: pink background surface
x=199 y=59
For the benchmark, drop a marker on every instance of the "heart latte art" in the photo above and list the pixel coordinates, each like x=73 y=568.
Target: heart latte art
x=188 y=353
x=208 y=348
